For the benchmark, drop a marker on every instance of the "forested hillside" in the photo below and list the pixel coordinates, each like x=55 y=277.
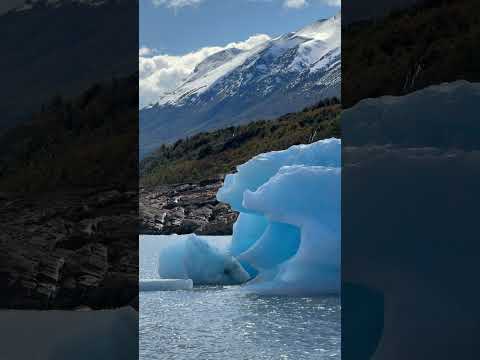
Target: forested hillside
x=89 y=141
x=210 y=154
x=411 y=49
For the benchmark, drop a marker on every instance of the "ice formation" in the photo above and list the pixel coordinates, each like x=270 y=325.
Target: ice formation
x=287 y=238
x=195 y=258
x=288 y=233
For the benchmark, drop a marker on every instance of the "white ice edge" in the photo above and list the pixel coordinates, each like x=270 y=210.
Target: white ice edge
x=165 y=285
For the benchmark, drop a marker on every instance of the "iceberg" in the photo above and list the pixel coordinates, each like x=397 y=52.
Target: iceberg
x=288 y=233
x=195 y=258
x=261 y=168
x=286 y=240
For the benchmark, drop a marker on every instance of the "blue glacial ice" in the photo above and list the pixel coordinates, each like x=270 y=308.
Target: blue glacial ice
x=261 y=168
x=194 y=258
x=288 y=232
x=286 y=240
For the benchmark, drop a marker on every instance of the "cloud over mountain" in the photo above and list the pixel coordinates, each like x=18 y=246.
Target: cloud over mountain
x=162 y=73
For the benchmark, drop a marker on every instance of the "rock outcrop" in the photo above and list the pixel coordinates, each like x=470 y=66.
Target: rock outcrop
x=184 y=209
x=68 y=250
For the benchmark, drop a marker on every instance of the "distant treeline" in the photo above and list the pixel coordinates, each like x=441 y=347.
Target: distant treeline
x=412 y=48
x=215 y=153
x=88 y=141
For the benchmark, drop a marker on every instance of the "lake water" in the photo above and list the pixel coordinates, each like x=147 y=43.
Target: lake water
x=222 y=323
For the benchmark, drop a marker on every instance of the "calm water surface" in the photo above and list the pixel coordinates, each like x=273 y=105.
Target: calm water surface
x=223 y=323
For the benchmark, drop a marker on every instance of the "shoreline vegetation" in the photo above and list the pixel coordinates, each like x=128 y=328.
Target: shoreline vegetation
x=179 y=182
x=89 y=141
x=211 y=155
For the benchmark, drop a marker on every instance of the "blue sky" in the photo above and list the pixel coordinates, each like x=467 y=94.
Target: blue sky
x=179 y=26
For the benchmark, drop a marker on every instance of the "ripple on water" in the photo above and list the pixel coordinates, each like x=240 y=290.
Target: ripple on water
x=225 y=323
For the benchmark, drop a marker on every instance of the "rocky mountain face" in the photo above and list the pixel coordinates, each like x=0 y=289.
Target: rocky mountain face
x=236 y=86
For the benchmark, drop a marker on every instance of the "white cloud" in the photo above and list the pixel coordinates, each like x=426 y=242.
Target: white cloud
x=145 y=51
x=295 y=4
x=300 y=4
x=175 y=4
x=163 y=73
x=334 y=2
x=250 y=43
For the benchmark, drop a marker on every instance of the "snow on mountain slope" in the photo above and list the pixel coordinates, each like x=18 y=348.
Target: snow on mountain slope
x=308 y=49
x=205 y=75
x=235 y=86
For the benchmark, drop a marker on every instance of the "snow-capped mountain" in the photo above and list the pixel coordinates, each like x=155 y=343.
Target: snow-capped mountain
x=235 y=86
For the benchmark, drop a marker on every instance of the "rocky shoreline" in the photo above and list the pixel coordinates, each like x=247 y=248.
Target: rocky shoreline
x=67 y=250
x=184 y=209
x=78 y=249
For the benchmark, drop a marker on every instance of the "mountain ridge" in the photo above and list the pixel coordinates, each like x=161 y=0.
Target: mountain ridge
x=235 y=86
